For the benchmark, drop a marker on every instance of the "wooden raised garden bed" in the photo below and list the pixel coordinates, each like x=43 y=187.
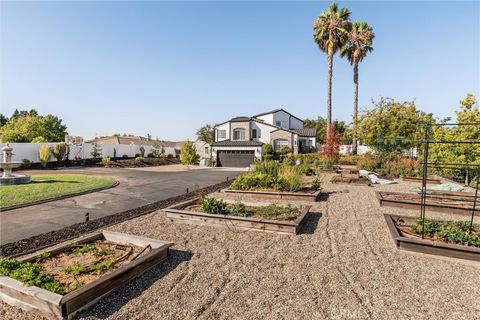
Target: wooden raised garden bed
x=133 y=255
x=434 y=203
x=180 y=213
x=419 y=179
x=275 y=195
x=408 y=242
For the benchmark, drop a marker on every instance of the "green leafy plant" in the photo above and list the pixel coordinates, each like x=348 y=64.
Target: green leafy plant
x=44 y=155
x=30 y=274
x=102 y=251
x=86 y=248
x=214 y=206
x=75 y=269
x=96 y=150
x=27 y=164
x=273 y=210
x=449 y=231
x=317 y=182
x=104 y=265
x=237 y=209
x=188 y=154
x=139 y=159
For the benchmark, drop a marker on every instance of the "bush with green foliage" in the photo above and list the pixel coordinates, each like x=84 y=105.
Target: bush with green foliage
x=449 y=231
x=389 y=164
x=96 y=150
x=29 y=126
x=285 y=150
x=269 y=175
x=30 y=274
x=188 y=154
x=44 y=155
x=237 y=209
x=139 y=159
x=26 y=163
x=214 y=206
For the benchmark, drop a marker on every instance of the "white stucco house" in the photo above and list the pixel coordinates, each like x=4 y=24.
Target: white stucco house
x=239 y=141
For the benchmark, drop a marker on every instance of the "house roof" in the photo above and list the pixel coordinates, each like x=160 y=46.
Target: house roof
x=240 y=119
x=137 y=140
x=307 y=132
x=275 y=111
x=237 y=143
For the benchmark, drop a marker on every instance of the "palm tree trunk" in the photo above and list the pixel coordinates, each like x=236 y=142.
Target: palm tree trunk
x=355 y=108
x=329 y=98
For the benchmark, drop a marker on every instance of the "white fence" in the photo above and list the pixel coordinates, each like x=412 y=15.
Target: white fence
x=30 y=150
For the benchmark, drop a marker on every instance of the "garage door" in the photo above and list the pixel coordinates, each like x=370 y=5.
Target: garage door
x=235 y=158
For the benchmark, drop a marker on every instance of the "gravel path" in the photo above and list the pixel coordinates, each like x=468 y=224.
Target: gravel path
x=344 y=266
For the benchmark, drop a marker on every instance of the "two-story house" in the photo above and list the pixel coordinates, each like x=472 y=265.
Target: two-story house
x=239 y=141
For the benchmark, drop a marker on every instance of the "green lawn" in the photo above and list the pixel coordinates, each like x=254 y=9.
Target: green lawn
x=50 y=186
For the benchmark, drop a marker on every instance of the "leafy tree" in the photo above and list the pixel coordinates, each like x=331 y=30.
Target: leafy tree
x=29 y=126
x=205 y=134
x=358 y=45
x=157 y=149
x=96 y=150
x=393 y=126
x=468 y=112
x=3 y=120
x=330 y=32
x=188 y=154
x=341 y=129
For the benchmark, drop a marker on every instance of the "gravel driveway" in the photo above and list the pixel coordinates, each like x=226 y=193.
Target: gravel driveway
x=344 y=266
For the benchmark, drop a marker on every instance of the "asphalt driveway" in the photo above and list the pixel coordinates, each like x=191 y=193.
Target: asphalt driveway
x=137 y=187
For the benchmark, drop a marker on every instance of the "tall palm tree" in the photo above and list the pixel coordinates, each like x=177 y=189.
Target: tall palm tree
x=359 y=44
x=330 y=31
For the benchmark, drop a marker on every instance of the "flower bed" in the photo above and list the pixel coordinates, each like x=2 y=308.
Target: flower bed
x=64 y=279
x=444 y=238
x=270 y=180
x=212 y=212
x=434 y=202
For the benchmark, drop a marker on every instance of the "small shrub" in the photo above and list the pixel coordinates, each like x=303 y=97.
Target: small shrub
x=150 y=155
x=96 y=150
x=59 y=151
x=139 y=159
x=237 y=209
x=214 y=206
x=449 y=231
x=188 y=154
x=104 y=265
x=26 y=163
x=106 y=161
x=317 y=182
x=267 y=167
x=44 y=155
x=267 y=149
x=285 y=150
x=163 y=156
x=125 y=156
x=170 y=155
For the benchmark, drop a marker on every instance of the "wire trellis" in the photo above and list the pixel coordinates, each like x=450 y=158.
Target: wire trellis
x=459 y=166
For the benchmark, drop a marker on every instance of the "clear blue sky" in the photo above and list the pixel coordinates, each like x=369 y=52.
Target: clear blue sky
x=167 y=68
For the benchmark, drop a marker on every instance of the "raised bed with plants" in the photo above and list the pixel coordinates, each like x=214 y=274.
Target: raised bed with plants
x=445 y=238
x=271 y=180
x=63 y=279
x=237 y=216
x=434 y=202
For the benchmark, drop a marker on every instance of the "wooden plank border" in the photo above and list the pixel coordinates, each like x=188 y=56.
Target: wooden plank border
x=428 y=246
x=177 y=214
x=419 y=179
x=275 y=195
x=65 y=306
x=404 y=204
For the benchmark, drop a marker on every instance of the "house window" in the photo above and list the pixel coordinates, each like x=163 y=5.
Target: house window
x=222 y=134
x=278 y=123
x=279 y=143
x=239 y=134
x=254 y=133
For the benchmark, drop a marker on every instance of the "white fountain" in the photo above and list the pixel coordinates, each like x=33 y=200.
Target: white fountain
x=7 y=165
